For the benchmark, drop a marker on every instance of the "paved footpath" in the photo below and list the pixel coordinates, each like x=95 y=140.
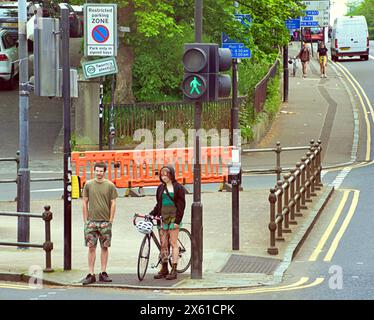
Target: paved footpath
x=317 y=109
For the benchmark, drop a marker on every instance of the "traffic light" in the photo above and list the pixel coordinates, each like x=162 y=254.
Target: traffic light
x=46 y=37
x=202 y=63
x=220 y=84
x=196 y=71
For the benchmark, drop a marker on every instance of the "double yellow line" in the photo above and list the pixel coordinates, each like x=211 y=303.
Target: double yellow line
x=298 y=285
x=14 y=286
x=365 y=108
x=343 y=228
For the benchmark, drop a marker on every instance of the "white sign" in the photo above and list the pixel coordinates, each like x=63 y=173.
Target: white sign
x=100 y=67
x=100 y=29
x=319 y=13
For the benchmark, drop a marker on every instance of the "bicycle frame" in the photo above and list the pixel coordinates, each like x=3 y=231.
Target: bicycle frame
x=145 y=249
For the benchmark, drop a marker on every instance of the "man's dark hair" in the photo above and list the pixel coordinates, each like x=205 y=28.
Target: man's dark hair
x=100 y=165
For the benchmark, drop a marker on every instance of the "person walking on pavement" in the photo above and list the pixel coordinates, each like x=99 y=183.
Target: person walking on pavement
x=322 y=58
x=170 y=206
x=99 y=207
x=304 y=56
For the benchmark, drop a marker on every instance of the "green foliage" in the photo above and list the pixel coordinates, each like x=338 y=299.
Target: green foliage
x=157 y=69
x=365 y=8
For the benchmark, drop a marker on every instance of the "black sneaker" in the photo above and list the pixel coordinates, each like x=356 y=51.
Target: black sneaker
x=90 y=278
x=103 y=276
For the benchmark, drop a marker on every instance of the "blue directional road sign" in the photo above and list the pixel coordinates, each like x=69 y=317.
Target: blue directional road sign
x=309 y=23
x=312 y=12
x=293 y=24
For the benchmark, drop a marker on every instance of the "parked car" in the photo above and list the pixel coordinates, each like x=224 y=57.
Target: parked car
x=8 y=56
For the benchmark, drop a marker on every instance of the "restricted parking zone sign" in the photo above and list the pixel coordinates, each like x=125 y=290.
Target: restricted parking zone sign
x=100 y=30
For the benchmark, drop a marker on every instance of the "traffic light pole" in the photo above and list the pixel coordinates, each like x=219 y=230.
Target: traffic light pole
x=67 y=150
x=235 y=142
x=235 y=107
x=197 y=207
x=101 y=116
x=112 y=130
x=23 y=175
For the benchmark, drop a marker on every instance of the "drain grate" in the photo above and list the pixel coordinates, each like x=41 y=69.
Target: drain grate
x=250 y=264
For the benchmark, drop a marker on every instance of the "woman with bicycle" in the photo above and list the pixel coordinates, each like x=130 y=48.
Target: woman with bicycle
x=170 y=206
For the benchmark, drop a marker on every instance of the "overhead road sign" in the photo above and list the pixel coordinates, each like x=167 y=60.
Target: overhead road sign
x=100 y=67
x=309 y=23
x=100 y=29
x=319 y=13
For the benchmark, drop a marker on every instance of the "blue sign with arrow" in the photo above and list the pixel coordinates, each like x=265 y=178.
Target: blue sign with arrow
x=238 y=50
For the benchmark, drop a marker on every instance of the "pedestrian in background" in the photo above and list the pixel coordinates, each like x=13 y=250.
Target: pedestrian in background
x=322 y=58
x=304 y=56
x=99 y=207
x=170 y=206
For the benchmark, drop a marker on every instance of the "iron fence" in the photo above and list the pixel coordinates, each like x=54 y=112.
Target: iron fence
x=259 y=95
x=47 y=246
x=289 y=196
x=130 y=117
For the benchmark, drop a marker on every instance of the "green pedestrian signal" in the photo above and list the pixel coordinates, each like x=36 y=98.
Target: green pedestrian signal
x=194 y=84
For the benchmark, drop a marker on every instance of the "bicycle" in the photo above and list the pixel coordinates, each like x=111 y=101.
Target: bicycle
x=184 y=244
x=294 y=65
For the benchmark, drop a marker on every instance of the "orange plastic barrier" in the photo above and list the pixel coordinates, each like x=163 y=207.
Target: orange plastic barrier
x=140 y=168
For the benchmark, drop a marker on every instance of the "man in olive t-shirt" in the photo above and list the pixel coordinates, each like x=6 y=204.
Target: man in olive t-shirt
x=99 y=206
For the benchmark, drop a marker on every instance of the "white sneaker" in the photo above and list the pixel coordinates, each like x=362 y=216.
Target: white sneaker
x=321 y=75
x=325 y=76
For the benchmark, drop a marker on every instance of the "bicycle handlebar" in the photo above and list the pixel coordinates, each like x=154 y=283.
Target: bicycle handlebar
x=147 y=217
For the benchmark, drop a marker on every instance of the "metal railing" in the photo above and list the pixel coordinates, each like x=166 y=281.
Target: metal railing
x=16 y=160
x=289 y=196
x=130 y=117
x=47 y=246
x=259 y=95
x=278 y=149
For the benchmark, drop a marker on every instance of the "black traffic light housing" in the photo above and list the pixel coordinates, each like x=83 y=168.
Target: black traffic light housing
x=202 y=63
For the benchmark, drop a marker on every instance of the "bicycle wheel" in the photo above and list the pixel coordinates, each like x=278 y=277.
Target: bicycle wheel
x=184 y=244
x=143 y=257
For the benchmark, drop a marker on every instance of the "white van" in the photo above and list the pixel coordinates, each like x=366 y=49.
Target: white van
x=350 y=37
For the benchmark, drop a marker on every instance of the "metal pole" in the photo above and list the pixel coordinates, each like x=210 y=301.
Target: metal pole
x=235 y=217
x=197 y=207
x=235 y=108
x=24 y=172
x=235 y=143
x=101 y=116
x=285 y=73
x=112 y=131
x=67 y=151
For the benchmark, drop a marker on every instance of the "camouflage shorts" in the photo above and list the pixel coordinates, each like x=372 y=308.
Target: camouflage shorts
x=94 y=230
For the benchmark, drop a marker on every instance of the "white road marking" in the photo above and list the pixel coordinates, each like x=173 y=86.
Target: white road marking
x=48 y=190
